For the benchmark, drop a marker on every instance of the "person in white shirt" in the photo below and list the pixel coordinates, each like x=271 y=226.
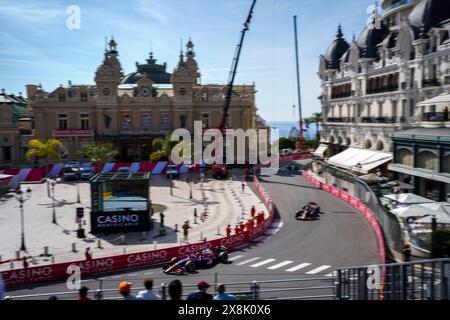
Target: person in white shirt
x=148 y=294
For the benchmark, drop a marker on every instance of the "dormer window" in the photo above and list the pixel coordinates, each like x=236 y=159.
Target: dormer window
x=83 y=96
x=62 y=97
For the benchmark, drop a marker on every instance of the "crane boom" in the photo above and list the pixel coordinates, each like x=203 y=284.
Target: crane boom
x=234 y=66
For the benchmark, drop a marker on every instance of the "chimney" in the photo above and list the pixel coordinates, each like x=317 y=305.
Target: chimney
x=3 y=91
x=31 y=91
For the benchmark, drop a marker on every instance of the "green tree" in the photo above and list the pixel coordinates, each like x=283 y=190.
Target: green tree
x=162 y=148
x=98 y=152
x=315 y=118
x=49 y=150
x=286 y=143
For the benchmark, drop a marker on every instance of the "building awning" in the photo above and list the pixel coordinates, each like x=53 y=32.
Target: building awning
x=360 y=160
x=440 y=99
x=419 y=172
x=321 y=150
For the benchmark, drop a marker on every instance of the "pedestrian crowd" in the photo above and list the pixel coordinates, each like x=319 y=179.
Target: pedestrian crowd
x=255 y=220
x=175 y=292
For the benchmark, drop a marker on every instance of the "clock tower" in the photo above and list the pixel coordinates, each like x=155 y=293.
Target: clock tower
x=184 y=77
x=107 y=79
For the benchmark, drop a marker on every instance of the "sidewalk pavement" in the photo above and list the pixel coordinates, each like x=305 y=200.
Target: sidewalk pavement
x=223 y=201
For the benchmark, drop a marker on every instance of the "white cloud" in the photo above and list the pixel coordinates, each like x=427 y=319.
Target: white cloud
x=154 y=10
x=30 y=12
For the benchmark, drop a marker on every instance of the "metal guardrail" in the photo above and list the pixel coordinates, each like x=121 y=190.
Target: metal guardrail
x=286 y=289
x=418 y=280
x=392 y=230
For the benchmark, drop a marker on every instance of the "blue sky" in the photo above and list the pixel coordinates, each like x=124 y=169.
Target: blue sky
x=37 y=47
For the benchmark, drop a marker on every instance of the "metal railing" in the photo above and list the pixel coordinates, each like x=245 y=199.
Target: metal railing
x=418 y=280
x=318 y=287
x=389 y=223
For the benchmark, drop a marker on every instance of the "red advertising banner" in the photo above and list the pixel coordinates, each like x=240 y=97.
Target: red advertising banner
x=54 y=272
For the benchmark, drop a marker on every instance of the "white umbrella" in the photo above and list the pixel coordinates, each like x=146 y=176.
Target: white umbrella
x=408 y=198
x=439 y=210
x=412 y=211
x=441 y=217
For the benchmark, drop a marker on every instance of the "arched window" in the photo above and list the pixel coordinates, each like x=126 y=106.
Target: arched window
x=405 y=157
x=349 y=141
x=380 y=145
x=428 y=160
x=340 y=140
x=446 y=164
x=332 y=139
x=368 y=144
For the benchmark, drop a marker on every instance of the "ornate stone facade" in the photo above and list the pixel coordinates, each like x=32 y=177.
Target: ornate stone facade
x=370 y=86
x=132 y=110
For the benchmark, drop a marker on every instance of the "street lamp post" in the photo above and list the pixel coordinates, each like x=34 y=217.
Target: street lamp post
x=54 y=204
x=22 y=197
x=78 y=193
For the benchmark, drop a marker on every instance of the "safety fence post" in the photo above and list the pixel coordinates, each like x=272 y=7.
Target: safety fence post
x=163 y=291
x=254 y=288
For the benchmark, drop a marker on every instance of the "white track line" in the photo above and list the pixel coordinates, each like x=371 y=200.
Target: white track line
x=259 y=264
x=235 y=257
x=300 y=266
x=282 y=264
x=247 y=261
x=319 y=269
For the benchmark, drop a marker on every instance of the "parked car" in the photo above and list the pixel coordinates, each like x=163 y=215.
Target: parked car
x=200 y=259
x=172 y=171
x=87 y=171
x=71 y=171
x=123 y=170
x=286 y=152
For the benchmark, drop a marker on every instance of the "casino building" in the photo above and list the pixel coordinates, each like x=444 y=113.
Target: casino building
x=371 y=85
x=131 y=110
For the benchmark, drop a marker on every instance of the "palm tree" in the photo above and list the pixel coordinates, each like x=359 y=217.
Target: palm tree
x=49 y=150
x=316 y=118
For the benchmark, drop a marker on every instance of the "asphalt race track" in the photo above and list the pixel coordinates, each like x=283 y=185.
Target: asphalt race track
x=305 y=251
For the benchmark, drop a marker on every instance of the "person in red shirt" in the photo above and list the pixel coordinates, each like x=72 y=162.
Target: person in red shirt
x=252 y=211
x=228 y=230
x=83 y=294
x=261 y=217
x=88 y=254
x=25 y=263
x=249 y=224
x=237 y=230
x=242 y=226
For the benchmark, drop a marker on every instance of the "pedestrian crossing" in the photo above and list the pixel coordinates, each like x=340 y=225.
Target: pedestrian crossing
x=282 y=265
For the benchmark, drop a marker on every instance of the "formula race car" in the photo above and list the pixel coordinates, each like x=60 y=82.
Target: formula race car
x=200 y=259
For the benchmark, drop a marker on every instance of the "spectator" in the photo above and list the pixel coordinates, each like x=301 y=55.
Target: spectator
x=201 y=294
x=88 y=254
x=237 y=230
x=125 y=291
x=53 y=298
x=148 y=294
x=242 y=226
x=175 y=290
x=406 y=252
x=228 y=230
x=83 y=294
x=2 y=288
x=243 y=187
x=253 y=211
x=25 y=263
x=222 y=295
x=248 y=226
x=186 y=231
